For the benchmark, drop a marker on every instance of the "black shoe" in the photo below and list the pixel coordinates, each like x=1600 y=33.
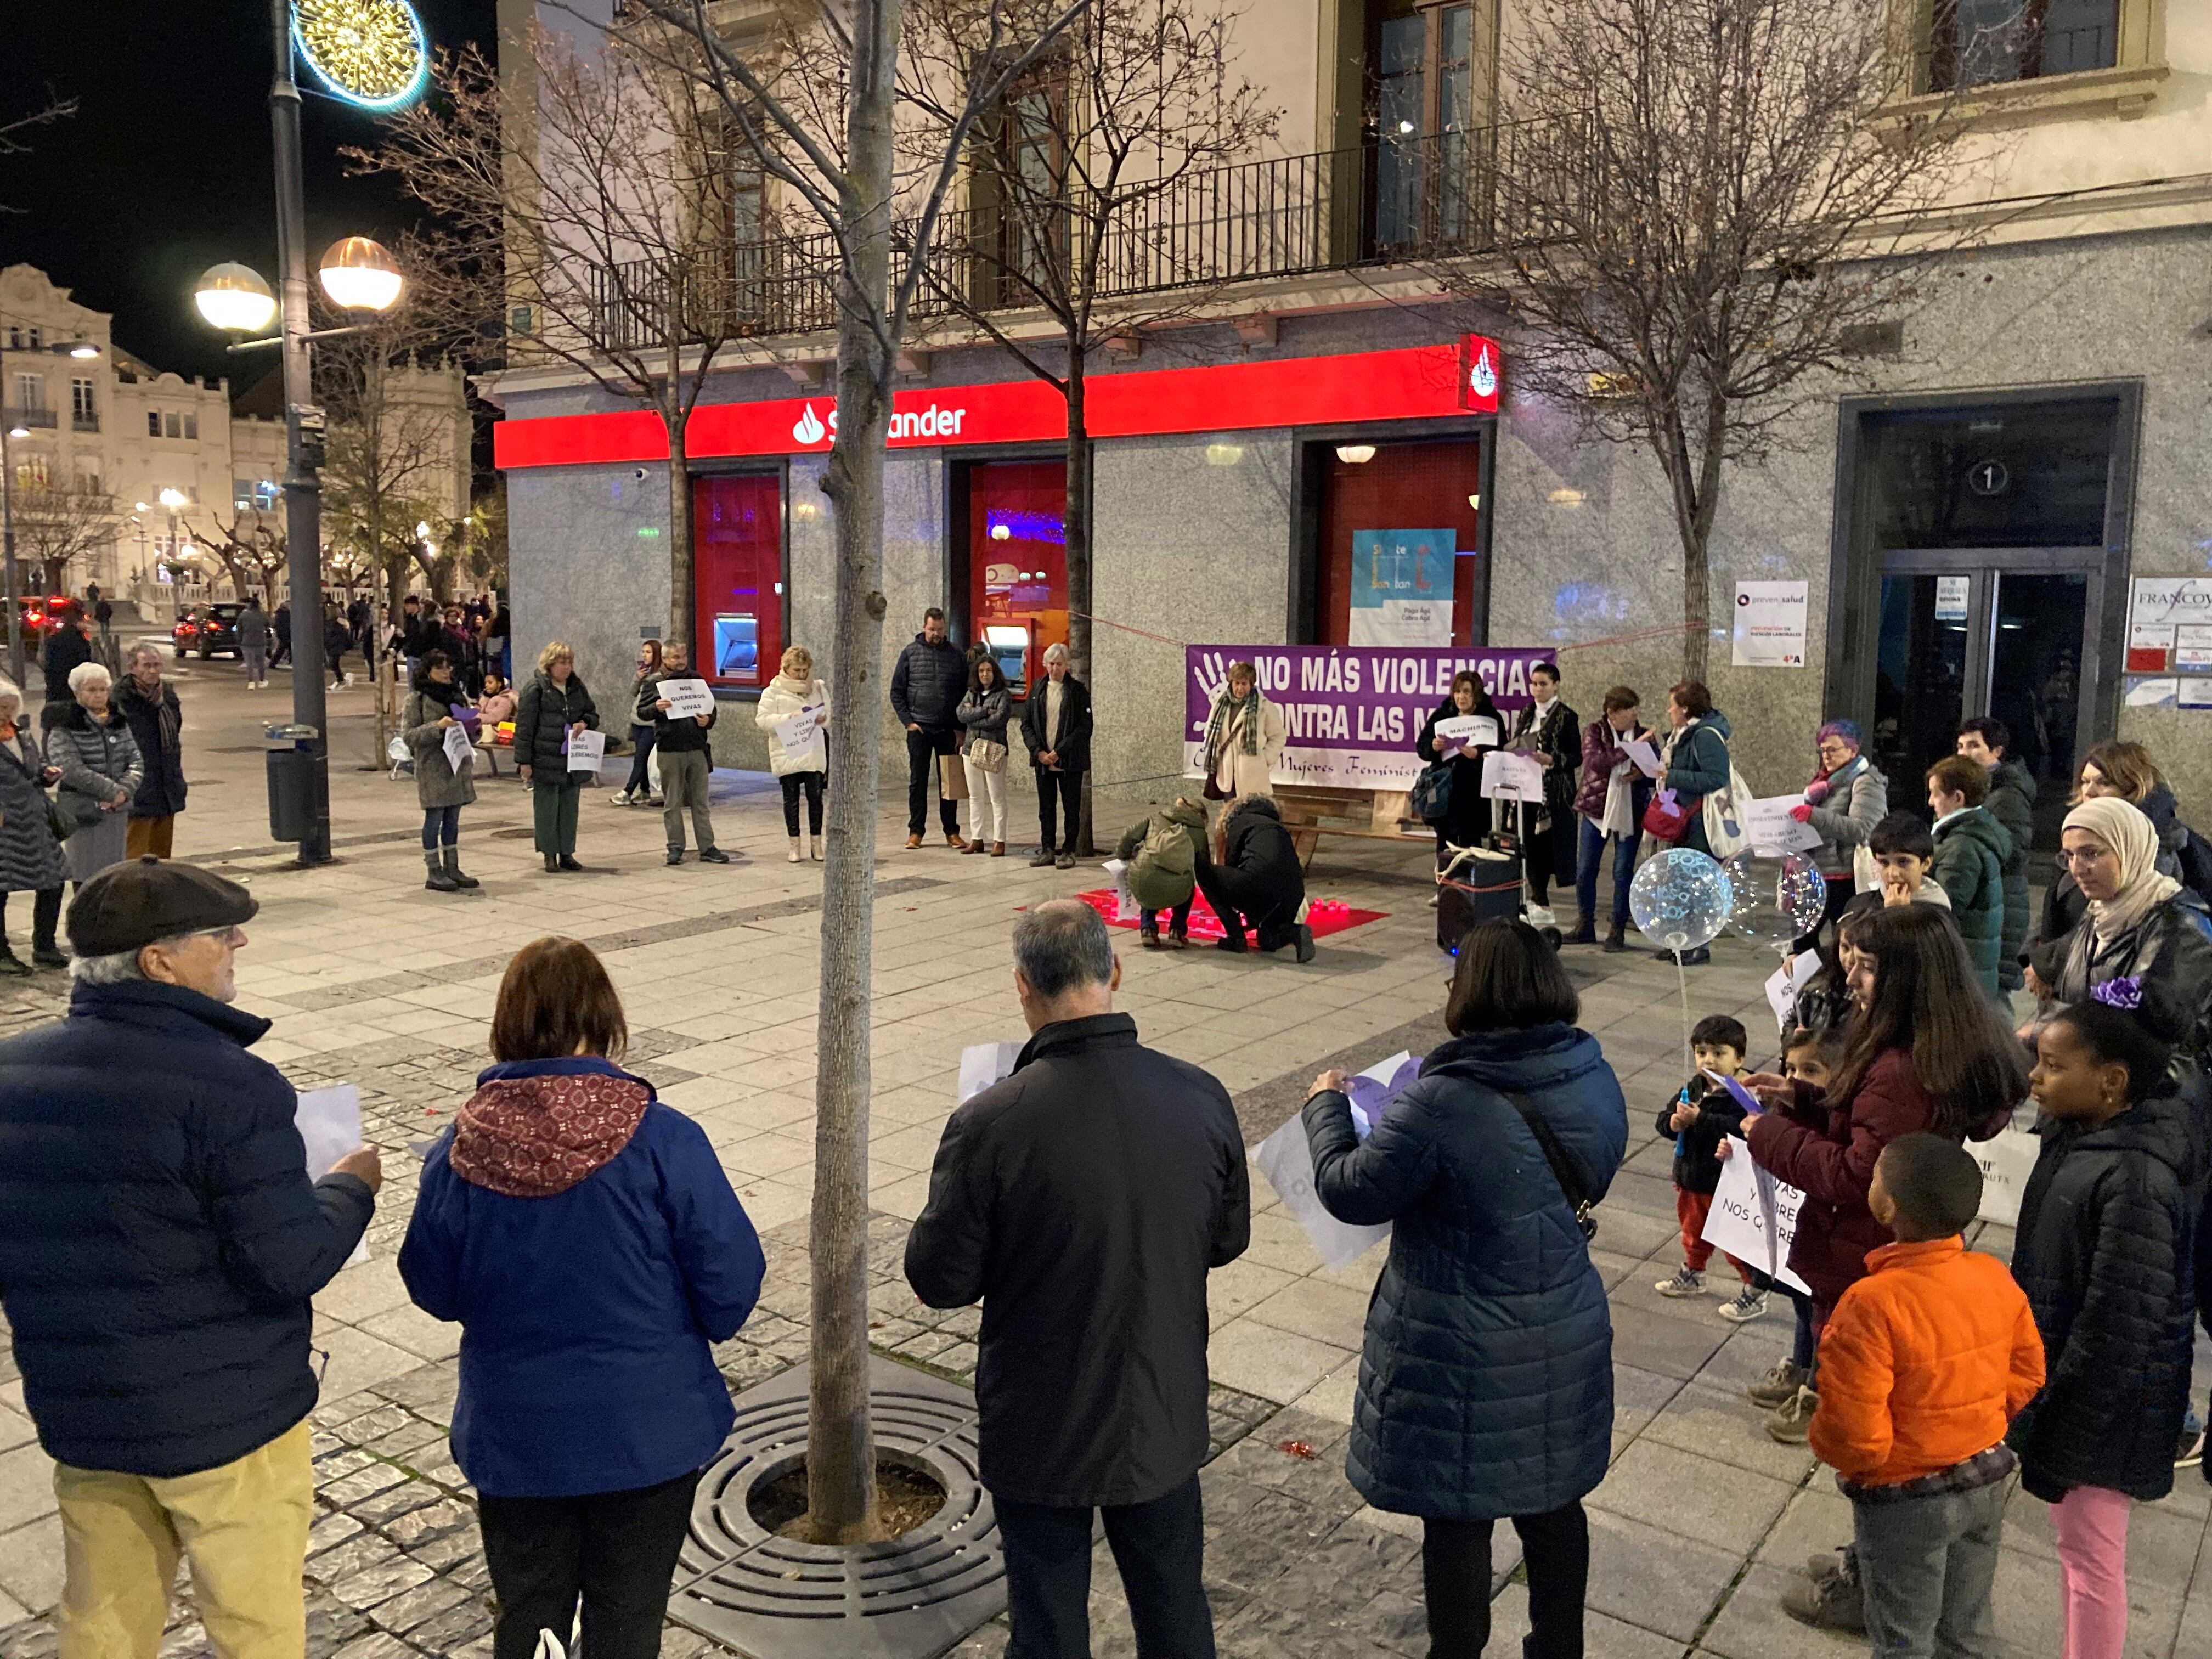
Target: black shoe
x=552 y=864
x=674 y=855
x=14 y=968
x=1616 y=941
x=45 y=955
x=1044 y=859
x=1305 y=943
x=1230 y=942
x=452 y=860
x=568 y=862
x=1697 y=958
x=1585 y=931
x=713 y=855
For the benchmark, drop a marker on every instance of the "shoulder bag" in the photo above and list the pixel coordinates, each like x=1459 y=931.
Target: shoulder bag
x=1585 y=1209
x=1431 y=793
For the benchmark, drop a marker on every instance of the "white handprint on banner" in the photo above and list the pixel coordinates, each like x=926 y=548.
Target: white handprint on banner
x=1213 y=676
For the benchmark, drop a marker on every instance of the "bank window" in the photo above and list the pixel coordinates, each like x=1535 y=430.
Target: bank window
x=1396 y=562
x=1973 y=42
x=1018 y=563
x=738 y=534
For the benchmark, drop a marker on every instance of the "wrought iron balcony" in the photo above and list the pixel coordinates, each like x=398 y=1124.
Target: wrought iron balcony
x=1442 y=197
x=31 y=418
x=84 y=422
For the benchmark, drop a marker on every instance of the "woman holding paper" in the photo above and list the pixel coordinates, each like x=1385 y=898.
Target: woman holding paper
x=442 y=785
x=1485 y=1384
x=555 y=707
x=639 y=789
x=794 y=711
x=1456 y=737
x=1616 y=787
x=1844 y=801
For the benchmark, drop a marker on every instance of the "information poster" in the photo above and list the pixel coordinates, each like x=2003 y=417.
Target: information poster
x=2169 y=619
x=1771 y=624
x=1401 y=586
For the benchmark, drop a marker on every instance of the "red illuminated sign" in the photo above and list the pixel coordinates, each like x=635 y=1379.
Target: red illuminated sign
x=1411 y=384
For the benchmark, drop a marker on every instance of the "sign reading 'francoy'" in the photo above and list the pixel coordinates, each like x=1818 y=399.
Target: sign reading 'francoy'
x=1351 y=714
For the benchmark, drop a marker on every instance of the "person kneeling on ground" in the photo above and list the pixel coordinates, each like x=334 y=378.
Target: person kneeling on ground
x=1923 y=1364
x=1258 y=880
x=1163 y=853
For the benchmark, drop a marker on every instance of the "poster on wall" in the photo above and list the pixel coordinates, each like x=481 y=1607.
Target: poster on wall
x=1401 y=586
x=1770 y=624
x=2167 y=616
x=1351 y=713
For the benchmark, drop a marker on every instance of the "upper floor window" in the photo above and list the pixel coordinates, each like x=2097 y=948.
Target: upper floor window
x=1972 y=43
x=24 y=339
x=30 y=391
x=153 y=423
x=171 y=424
x=81 y=405
x=192 y=426
x=1421 y=106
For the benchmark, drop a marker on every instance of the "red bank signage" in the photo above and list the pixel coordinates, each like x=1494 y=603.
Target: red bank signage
x=1417 y=382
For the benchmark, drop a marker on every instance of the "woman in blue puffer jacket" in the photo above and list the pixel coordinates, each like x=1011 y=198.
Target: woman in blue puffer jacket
x=1485 y=1389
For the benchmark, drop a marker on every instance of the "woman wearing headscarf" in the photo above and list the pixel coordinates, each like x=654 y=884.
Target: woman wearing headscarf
x=1846 y=797
x=2139 y=924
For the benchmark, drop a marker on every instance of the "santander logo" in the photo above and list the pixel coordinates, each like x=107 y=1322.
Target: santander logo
x=808 y=429
x=1484 y=375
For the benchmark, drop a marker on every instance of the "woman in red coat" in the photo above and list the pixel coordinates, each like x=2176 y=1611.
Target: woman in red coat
x=1928 y=1051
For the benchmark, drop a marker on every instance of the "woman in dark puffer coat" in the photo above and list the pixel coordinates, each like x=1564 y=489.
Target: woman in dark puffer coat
x=1485 y=1389
x=2103 y=1247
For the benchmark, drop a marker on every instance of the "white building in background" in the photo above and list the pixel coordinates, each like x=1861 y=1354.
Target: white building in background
x=160 y=455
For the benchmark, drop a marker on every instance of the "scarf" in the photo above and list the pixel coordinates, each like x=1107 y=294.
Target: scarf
x=1226 y=707
x=168 y=717
x=532 y=1137
x=1825 y=783
x=2134 y=842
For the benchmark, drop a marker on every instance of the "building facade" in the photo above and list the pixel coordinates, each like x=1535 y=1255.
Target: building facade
x=2005 y=509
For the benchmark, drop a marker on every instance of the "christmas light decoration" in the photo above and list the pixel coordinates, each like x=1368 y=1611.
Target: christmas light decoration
x=370 y=52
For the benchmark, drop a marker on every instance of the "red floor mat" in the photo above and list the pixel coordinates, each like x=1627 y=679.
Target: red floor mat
x=1324 y=916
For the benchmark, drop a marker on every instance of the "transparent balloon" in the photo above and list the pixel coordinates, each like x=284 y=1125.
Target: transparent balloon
x=1777 y=899
x=1681 y=899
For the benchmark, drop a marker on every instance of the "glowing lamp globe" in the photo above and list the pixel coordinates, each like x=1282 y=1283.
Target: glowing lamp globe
x=173 y=499
x=358 y=275
x=234 y=298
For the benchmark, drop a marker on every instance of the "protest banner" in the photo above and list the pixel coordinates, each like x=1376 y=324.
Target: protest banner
x=458 y=754
x=686 y=697
x=586 y=751
x=1754 y=1217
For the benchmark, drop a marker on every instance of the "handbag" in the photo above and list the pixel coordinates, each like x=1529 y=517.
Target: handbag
x=1724 y=831
x=986 y=755
x=1585 y=1209
x=1665 y=819
x=1431 y=793
x=58 y=821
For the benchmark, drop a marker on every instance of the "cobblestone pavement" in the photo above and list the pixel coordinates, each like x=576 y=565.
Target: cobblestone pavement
x=372 y=980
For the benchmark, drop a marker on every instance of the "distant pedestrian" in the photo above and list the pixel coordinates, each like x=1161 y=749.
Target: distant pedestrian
x=585 y=1239
x=1258 y=880
x=157 y=725
x=1609 y=805
x=1245 y=738
x=638 y=791
x=1056 y=728
x=927 y=685
x=1550 y=732
x=555 y=707
x=30 y=859
x=800 y=769
x=457 y=640
x=90 y=741
x=103 y=613
x=160 y=1240
x=2107 y=1225
x=336 y=643
x=280 y=624
x=254 y=642
x=982 y=715
x=1971 y=847
x=687 y=762
x=496 y=634
x=1924 y=1364
x=1038 y=1209
x=440 y=787
x=1485 y=1386
x=70 y=644
x=1163 y=853
x=359 y=617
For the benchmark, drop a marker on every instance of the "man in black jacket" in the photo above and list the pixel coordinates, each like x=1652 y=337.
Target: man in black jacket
x=687 y=761
x=1260 y=882
x=157 y=726
x=927 y=685
x=159 y=1241
x=1084 y=1199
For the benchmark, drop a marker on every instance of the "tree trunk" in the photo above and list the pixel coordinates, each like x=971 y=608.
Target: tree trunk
x=840 y=1464
x=1076 y=523
x=683 y=587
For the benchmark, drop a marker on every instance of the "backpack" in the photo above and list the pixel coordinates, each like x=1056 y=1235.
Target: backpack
x=1164 y=864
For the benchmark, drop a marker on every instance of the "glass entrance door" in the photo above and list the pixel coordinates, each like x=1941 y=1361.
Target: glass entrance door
x=1963 y=636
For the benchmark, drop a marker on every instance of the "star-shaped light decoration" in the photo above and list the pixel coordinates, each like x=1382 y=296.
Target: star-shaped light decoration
x=370 y=52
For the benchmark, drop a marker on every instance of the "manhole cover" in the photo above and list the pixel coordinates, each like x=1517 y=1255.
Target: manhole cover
x=914 y=1597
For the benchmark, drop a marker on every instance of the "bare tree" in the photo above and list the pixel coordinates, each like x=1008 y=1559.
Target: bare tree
x=1709 y=210
x=252 y=548
x=12 y=133
x=54 y=525
x=611 y=202
x=846 y=176
x=1085 y=184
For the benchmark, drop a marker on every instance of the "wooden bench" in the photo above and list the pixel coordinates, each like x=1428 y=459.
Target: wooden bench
x=1309 y=812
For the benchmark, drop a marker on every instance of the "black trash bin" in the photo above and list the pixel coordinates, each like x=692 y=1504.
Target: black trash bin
x=291 y=781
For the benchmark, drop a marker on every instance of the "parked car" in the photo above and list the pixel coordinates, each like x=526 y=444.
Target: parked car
x=184 y=633
x=218 y=632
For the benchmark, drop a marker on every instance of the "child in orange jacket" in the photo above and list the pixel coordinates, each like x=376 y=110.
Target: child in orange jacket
x=1923 y=1365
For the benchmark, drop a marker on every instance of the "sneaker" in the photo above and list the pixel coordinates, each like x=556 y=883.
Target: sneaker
x=1065 y=861
x=713 y=855
x=1749 y=1303
x=1178 y=941
x=1778 y=1385
x=1149 y=937
x=1790 y=1421
x=1687 y=1281
x=1832 y=1603
x=1044 y=858
x=620 y=798
x=1841 y=1562
x=2189 y=1454
x=674 y=855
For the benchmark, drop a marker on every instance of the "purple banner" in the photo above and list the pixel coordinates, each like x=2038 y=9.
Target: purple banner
x=1351 y=714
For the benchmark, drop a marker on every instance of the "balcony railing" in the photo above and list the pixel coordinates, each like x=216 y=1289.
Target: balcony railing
x=34 y=418
x=1445 y=197
x=81 y=422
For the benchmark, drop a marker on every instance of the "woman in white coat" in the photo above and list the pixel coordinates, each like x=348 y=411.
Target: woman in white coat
x=1243 y=739
x=803 y=766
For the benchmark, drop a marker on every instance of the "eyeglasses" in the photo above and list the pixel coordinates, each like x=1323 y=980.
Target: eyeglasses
x=2084 y=854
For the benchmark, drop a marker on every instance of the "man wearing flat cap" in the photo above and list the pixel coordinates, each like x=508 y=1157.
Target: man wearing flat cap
x=159 y=1242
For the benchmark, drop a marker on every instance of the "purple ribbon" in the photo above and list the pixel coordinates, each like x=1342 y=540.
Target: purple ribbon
x=2123 y=993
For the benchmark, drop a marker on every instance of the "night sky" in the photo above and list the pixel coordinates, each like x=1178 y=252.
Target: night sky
x=165 y=168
